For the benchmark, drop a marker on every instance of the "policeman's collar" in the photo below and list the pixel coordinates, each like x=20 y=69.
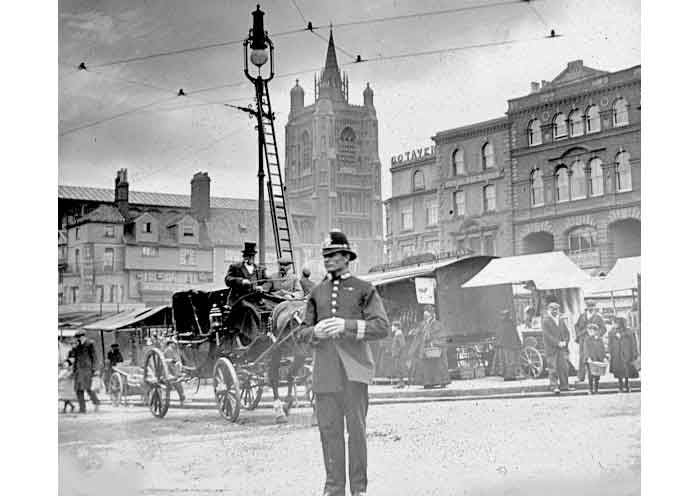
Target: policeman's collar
x=345 y=275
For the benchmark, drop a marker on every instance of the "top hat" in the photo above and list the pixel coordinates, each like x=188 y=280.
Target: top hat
x=337 y=242
x=114 y=345
x=79 y=333
x=249 y=249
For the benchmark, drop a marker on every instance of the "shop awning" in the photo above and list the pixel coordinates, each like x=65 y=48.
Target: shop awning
x=390 y=276
x=132 y=318
x=552 y=270
x=623 y=277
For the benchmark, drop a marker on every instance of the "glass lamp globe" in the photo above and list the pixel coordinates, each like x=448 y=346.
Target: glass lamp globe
x=258 y=57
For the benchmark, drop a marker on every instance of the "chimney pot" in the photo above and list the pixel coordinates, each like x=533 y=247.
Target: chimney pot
x=535 y=86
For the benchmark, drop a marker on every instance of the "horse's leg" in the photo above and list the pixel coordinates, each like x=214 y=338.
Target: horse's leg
x=274 y=372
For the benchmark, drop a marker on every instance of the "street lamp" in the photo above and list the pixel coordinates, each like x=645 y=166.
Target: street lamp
x=261 y=51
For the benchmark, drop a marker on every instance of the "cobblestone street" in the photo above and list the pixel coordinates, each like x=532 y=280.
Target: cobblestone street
x=568 y=445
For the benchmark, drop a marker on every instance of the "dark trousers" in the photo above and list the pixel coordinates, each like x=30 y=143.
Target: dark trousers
x=582 y=362
x=81 y=398
x=594 y=383
x=332 y=408
x=557 y=361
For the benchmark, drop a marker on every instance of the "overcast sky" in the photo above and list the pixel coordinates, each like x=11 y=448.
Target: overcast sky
x=139 y=123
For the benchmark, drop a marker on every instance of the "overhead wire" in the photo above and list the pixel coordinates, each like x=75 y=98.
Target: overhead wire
x=304 y=19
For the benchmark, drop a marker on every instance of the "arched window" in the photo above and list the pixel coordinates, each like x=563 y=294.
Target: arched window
x=306 y=152
x=596 y=178
x=620 y=109
x=592 y=121
x=534 y=132
x=582 y=240
x=537 y=188
x=560 y=126
x=458 y=161
x=623 y=172
x=578 y=186
x=489 y=198
x=418 y=180
x=562 y=184
x=487 y=156
x=347 y=147
x=575 y=122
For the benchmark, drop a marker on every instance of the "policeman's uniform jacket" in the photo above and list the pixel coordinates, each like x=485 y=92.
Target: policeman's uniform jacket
x=349 y=355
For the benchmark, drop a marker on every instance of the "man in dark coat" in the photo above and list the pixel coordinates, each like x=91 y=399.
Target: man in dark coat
x=243 y=277
x=342 y=314
x=556 y=336
x=113 y=358
x=589 y=316
x=509 y=344
x=84 y=362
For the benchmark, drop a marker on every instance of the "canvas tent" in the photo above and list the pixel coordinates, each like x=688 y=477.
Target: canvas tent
x=623 y=277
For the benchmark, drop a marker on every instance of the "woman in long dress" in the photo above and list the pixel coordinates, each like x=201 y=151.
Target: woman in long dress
x=623 y=350
x=428 y=352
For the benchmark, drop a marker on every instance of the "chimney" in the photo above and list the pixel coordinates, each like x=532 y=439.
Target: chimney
x=121 y=191
x=544 y=82
x=200 y=196
x=535 y=86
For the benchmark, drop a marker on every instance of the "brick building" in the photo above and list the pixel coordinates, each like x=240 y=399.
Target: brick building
x=332 y=169
x=575 y=157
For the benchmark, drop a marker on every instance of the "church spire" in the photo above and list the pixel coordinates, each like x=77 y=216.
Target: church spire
x=331 y=75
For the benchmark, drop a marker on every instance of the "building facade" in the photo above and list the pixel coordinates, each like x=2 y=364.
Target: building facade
x=332 y=169
x=412 y=212
x=575 y=159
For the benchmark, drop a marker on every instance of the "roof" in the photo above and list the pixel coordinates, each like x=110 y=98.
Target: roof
x=552 y=270
x=624 y=276
x=129 y=318
x=235 y=227
x=106 y=195
x=79 y=319
x=107 y=214
x=390 y=276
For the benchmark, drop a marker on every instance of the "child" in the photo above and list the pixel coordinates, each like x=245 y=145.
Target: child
x=66 y=387
x=595 y=352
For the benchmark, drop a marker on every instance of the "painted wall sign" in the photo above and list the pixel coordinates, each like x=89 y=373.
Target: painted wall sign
x=413 y=155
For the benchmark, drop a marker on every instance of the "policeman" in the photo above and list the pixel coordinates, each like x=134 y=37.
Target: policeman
x=342 y=314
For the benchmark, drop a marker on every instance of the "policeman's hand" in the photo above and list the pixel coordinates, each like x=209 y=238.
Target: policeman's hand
x=246 y=282
x=336 y=326
x=320 y=329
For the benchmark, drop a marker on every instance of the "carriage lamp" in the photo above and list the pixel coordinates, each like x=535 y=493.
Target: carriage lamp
x=258 y=37
x=215 y=317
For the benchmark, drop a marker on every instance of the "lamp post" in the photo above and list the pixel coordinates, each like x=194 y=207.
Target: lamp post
x=260 y=47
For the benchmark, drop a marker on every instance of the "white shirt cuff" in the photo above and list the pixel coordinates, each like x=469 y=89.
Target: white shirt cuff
x=361 y=330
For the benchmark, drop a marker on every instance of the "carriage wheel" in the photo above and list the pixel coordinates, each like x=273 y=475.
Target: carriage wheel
x=226 y=388
x=252 y=390
x=531 y=362
x=156 y=383
x=116 y=390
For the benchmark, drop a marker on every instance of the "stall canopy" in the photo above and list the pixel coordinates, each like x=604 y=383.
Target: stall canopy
x=160 y=315
x=623 y=277
x=552 y=270
x=425 y=269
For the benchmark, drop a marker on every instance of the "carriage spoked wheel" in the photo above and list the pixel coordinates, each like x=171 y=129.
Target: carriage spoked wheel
x=156 y=383
x=252 y=390
x=116 y=392
x=531 y=362
x=227 y=389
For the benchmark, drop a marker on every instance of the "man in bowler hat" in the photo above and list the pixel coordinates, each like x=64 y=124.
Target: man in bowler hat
x=556 y=336
x=342 y=314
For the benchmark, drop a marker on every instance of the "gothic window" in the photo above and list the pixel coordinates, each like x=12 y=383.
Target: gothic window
x=592 y=121
x=458 y=162
x=487 y=156
x=562 y=184
x=418 y=180
x=623 y=172
x=537 y=188
x=578 y=186
x=534 y=132
x=620 y=111
x=347 y=146
x=596 y=178
x=306 y=152
x=560 y=126
x=575 y=122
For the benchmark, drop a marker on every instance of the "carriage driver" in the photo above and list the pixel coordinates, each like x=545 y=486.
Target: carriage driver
x=243 y=277
x=284 y=282
x=342 y=314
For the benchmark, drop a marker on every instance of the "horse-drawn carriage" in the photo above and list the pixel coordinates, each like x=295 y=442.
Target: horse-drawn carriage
x=242 y=344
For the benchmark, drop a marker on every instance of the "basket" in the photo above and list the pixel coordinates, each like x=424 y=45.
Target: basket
x=597 y=368
x=432 y=352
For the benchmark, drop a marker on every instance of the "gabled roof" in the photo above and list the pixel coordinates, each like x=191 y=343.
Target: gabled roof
x=107 y=214
x=574 y=72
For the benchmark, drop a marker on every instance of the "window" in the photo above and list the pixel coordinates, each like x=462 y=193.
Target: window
x=431 y=213
x=406 y=218
x=592 y=121
x=120 y=293
x=458 y=161
x=575 y=122
x=113 y=293
x=77 y=233
x=432 y=246
x=306 y=152
x=100 y=294
x=108 y=260
x=560 y=126
x=578 y=185
x=77 y=260
x=147 y=227
x=562 y=185
x=408 y=250
x=387 y=220
x=537 y=188
x=60 y=299
x=489 y=198
x=230 y=254
x=623 y=172
x=534 y=132
x=150 y=251
x=582 y=240
x=620 y=111
x=596 y=178
x=489 y=245
x=188 y=229
x=187 y=256
x=418 y=181
x=75 y=294
x=459 y=203
x=108 y=231
x=487 y=156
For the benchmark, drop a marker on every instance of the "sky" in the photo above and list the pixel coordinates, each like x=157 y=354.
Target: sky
x=128 y=115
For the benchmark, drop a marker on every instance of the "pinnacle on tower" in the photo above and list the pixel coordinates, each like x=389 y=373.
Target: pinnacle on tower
x=331 y=75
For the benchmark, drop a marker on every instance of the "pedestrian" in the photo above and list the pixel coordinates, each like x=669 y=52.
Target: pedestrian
x=342 y=314
x=398 y=347
x=592 y=348
x=113 y=358
x=556 y=336
x=509 y=345
x=590 y=316
x=305 y=282
x=66 y=386
x=174 y=366
x=429 y=351
x=623 y=352
x=84 y=369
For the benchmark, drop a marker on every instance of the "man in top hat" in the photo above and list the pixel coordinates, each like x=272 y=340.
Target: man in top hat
x=84 y=360
x=243 y=277
x=284 y=282
x=342 y=314
x=589 y=316
x=556 y=336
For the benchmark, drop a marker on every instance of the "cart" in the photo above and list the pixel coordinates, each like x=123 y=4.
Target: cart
x=126 y=381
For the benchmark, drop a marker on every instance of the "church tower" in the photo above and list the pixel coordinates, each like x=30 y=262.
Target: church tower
x=332 y=169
